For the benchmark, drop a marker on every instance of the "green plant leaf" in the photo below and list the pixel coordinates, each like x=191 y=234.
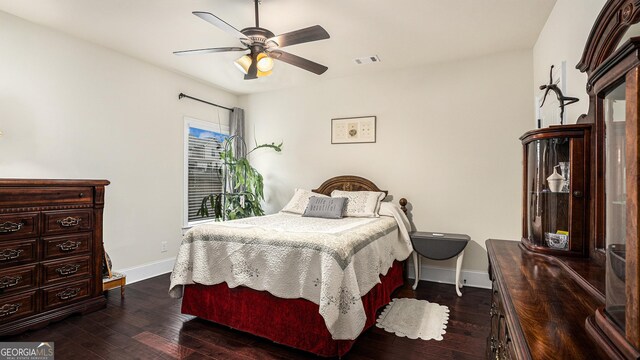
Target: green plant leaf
x=277 y=148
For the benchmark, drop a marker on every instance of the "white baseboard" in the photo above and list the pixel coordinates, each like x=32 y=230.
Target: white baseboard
x=478 y=279
x=148 y=270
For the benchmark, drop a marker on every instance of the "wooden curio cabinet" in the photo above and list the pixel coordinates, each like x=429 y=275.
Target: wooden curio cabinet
x=611 y=60
x=616 y=89
x=556 y=168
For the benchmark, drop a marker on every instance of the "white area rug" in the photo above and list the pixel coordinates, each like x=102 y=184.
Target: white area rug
x=414 y=319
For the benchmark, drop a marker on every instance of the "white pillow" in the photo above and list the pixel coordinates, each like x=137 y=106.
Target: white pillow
x=299 y=201
x=361 y=203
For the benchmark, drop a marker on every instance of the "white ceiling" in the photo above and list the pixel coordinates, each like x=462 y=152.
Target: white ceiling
x=403 y=33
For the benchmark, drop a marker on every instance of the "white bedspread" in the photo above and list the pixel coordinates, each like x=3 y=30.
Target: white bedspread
x=331 y=262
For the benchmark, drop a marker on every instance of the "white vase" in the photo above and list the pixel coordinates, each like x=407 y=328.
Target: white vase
x=555 y=181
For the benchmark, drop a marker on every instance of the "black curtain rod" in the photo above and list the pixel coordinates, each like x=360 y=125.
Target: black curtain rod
x=182 y=95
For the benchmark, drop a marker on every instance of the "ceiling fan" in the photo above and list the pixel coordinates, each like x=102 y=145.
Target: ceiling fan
x=263 y=45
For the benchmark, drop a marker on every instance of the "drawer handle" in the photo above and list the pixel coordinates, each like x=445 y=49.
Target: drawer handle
x=69 y=221
x=9 y=227
x=69 y=245
x=68 y=293
x=10 y=254
x=502 y=353
x=68 y=269
x=493 y=344
x=9 y=309
x=9 y=281
x=493 y=311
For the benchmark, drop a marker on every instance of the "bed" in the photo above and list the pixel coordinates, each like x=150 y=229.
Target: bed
x=309 y=283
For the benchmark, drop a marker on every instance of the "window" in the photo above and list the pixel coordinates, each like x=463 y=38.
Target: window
x=203 y=142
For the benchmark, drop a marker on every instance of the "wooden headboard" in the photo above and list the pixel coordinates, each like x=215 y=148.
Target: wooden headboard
x=347 y=183
x=352 y=183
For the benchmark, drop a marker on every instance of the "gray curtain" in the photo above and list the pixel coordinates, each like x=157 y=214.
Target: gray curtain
x=236 y=127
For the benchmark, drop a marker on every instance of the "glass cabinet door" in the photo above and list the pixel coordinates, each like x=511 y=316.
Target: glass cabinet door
x=548 y=193
x=614 y=106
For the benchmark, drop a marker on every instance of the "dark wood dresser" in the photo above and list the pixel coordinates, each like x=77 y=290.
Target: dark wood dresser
x=50 y=251
x=538 y=310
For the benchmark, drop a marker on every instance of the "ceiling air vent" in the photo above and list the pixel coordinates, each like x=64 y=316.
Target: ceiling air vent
x=367 y=60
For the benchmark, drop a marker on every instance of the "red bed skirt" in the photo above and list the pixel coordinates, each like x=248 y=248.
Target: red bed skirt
x=292 y=322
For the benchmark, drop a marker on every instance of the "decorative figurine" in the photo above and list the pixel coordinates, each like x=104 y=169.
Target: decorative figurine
x=563 y=100
x=555 y=180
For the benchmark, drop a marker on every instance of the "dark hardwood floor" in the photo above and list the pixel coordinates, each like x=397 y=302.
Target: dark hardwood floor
x=148 y=325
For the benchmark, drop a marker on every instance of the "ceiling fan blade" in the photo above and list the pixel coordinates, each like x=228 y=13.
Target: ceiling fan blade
x=298 y=61
x=312 y=33
x=221 y=24
x=208 y=50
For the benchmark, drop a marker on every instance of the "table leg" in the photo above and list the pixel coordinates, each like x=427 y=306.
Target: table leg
x=458 y=268
x=416 y=268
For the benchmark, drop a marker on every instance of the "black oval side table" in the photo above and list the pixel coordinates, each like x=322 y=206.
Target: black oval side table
x=438 y=246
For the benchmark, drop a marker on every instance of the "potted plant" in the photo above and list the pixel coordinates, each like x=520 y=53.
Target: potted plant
x=243 y=184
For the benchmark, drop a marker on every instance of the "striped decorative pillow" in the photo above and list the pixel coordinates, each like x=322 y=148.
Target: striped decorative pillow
x=325 y=207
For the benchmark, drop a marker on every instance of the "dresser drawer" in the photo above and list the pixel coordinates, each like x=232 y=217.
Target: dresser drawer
x=61 y=270
x=13 y=307
x=17 y=279
x=48 y=196
x=65 y=294
x=19 y=225
x=56 y=222
x=66 y=245
x=17 y=252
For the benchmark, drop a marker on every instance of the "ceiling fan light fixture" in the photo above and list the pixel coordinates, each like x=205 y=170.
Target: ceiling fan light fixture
x=243 y=63
x=265 y=62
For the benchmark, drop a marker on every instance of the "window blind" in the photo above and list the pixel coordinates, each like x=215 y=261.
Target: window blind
x=204 y=165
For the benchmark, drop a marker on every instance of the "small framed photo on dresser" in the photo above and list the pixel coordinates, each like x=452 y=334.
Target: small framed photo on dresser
x=353 y=130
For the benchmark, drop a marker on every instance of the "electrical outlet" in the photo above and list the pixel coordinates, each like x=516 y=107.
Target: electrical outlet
x=163 y=246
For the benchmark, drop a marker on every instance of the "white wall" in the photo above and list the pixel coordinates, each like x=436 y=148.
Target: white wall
x=447 y=140
x=71 y=109
x=563 y=39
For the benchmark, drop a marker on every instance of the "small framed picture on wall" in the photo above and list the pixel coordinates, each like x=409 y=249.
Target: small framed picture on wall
x=353 y=130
